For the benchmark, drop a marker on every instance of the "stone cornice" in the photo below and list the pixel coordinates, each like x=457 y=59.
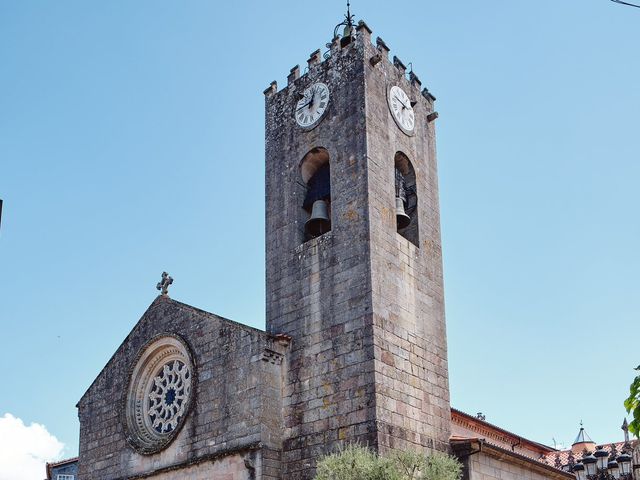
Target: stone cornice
x=497 y=434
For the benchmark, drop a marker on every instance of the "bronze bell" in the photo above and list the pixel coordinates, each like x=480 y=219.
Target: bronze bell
x=401 y=216
x=319 y=222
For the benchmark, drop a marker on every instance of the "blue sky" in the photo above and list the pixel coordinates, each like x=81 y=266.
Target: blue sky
x=132 y=142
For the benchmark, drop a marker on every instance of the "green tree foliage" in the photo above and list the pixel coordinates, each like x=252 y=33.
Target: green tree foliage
x=359 y=463
x=352 y=463
x=416 y=466
x=632 y=404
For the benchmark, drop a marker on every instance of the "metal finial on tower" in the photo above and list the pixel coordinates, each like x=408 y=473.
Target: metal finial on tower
x=348 y=23
x=582 y=437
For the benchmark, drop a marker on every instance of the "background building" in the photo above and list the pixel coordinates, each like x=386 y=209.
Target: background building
x=584 y=446
x=63 y=470
x=488 y=451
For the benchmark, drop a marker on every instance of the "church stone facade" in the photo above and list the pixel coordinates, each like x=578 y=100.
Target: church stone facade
x=355 y=344
x=233 y=425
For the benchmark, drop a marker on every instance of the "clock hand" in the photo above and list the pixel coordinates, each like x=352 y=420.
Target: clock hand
x=311 y=95
x=310 y=99
x=403 y=104
x=303 y=106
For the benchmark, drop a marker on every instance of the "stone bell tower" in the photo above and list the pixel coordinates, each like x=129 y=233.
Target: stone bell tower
x=354 y=265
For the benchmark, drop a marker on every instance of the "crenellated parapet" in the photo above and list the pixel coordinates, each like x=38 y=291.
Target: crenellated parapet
x=376 y=54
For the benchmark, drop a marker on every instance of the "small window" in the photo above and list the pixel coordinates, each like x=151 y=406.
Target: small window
x=406 y=201
x=316 y=175
x=65 y=477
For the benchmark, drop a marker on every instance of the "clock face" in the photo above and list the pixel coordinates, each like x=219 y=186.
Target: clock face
x=401 y=109
x=312 y=105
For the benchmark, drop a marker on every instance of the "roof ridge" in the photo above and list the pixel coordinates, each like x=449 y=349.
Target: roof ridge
x=503 y=430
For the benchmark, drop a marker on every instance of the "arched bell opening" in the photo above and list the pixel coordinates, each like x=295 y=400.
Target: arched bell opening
x=315 y=170
x=406 y=199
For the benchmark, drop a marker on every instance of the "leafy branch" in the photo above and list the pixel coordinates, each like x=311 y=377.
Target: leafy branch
x=632 y=404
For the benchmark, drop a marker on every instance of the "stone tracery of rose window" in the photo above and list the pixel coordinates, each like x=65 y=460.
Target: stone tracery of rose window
x=167 y=396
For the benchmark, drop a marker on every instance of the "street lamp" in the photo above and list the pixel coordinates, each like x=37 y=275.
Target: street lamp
x=602 y=457
x=624 y=461
x=597 y=466
x=579 y=471
x=591 y=465
x=613 y=468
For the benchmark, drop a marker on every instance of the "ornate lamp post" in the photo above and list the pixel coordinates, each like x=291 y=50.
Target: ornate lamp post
x=603 y=458
x=598 y=466
x=591 y=465
x=624 y=461
x=613 y=468
x=579 y=471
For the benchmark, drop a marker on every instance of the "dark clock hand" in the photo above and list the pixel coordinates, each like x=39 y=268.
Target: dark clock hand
x=305 y=105
x=403 y=104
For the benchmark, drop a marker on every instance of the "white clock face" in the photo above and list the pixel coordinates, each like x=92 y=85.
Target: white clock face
x=312 y=105
x=401 y=109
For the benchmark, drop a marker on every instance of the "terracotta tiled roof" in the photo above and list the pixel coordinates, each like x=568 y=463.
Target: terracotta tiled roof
x=561 y=459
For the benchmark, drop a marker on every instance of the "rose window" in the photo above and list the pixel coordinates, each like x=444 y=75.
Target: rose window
x=167 y=398
x=160 y=394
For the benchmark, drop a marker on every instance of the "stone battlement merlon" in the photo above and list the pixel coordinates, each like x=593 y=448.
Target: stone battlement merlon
x=399 y=65
x=415 y=81
x=271 y=89
x=314 y=59
x=382 y=46
x=294 y=74
x=361 y=36
x=364 y=30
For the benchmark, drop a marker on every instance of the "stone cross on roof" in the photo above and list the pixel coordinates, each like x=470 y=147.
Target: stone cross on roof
x=625 y=429
x=163 y=285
